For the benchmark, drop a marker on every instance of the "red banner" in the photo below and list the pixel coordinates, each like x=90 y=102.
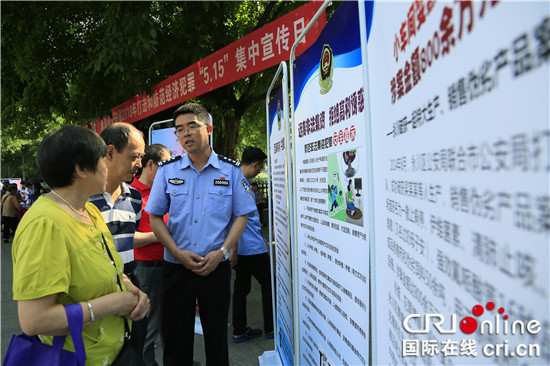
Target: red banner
x=259 y=50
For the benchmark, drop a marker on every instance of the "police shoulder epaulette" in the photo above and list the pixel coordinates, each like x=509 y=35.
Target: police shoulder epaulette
x=169 y=161
x=229 y=161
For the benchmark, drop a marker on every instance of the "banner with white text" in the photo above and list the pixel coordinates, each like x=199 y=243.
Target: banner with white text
x=257 y=51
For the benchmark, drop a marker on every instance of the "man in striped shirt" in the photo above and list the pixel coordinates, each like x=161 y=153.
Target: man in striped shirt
x=120 y=204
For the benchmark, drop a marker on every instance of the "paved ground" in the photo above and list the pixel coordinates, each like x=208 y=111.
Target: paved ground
x=240 y=354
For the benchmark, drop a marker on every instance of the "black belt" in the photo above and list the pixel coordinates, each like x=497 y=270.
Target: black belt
x=149 y=263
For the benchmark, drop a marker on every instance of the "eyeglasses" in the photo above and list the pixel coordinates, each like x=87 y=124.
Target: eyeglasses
x=192 y=128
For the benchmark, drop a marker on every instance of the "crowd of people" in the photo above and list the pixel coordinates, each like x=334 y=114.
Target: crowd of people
x=140 y=239
x=15 y=202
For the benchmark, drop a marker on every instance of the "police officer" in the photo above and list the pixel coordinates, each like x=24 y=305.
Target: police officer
x=207 y=201
x=251 y=259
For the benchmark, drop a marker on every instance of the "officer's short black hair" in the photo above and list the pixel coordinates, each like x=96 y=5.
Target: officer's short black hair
x=61 y=151
x=253 y=155
x=194 y=108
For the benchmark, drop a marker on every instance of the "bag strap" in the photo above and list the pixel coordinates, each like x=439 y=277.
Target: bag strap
x=4 y=198
x=75 y=319
x=58 y=342
x=127 y=333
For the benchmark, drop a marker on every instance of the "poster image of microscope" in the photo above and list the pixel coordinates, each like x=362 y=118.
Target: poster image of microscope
x=345 y=187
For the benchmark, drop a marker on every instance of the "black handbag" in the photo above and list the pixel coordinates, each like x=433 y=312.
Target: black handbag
x=128 y=356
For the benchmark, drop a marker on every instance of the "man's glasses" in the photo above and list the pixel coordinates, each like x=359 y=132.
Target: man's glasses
x=182 y=130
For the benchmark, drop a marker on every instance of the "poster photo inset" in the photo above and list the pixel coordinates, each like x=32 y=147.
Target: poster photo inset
x=344 y=193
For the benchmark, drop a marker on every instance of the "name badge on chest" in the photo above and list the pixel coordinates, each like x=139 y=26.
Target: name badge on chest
x=221 y=182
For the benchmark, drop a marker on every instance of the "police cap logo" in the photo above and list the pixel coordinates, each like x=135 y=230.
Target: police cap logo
x=176 y=181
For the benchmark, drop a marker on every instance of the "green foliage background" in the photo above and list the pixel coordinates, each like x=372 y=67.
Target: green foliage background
x=71 y=62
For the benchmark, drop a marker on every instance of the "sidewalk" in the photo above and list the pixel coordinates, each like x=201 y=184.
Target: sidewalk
x=240 y=354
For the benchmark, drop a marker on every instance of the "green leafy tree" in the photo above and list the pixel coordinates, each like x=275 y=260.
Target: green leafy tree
x=19 y=152
x=77 y=60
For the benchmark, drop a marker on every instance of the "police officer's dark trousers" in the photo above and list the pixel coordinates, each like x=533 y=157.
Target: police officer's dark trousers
x=181 y=289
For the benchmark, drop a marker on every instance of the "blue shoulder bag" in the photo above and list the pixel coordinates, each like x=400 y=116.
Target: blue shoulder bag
x=27 y=350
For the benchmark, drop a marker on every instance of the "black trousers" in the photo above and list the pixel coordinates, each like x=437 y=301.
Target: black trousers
x=181 y=289
x=260 y=207
x=139 y=328
x=247 y=266
x=9 y=223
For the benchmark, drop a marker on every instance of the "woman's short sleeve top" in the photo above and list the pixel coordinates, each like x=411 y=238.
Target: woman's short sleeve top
x=53 y=253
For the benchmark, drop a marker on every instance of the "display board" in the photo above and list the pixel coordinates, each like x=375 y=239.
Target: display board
x=460 y=130
x=166 y=137
x=330 y=196
x=280 y=213
x=16 y=181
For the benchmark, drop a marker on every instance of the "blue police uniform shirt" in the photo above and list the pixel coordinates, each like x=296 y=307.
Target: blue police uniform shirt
x=252 y=241
x=200 y=205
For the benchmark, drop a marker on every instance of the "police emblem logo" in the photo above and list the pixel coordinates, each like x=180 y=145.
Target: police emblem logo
x=326 y=69
x=176 y=181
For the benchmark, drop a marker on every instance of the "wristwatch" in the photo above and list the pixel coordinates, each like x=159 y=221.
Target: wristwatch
x=225 y=253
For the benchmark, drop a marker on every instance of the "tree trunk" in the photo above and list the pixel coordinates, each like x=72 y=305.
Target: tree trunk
x=225 y=145
x=228 y=112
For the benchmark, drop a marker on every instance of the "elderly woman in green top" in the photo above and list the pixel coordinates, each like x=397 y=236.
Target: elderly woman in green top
x=60 y=252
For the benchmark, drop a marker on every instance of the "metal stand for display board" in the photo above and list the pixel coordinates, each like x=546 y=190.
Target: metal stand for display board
x=370 y=175
x=151 y=129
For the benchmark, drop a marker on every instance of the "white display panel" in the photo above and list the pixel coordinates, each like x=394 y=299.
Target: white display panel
x=279 y=177
x=461 y=142
x=166 y=137
x=331 y=200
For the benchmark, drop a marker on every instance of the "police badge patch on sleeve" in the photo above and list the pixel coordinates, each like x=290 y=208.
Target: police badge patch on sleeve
x=176 y=181
x=245 y=185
